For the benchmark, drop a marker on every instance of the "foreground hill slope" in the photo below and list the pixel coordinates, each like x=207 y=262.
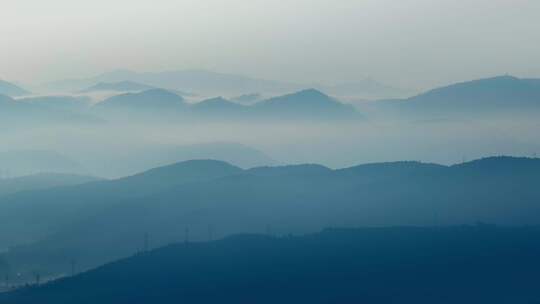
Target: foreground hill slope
x=481 y=264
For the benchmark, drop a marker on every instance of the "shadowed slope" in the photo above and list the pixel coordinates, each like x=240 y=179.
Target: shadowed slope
x=410 y=265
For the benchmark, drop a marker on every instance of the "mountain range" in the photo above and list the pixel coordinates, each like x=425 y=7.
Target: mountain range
x=198 y=81
x=306 y=104
x=212 y=83
x=502 y=96
x=103 y=221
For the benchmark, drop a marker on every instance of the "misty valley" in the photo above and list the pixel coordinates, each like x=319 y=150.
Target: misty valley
x=264 y=151
x=157 y=183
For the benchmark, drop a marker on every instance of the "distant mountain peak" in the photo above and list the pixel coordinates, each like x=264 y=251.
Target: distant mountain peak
x=194 y=169
x=309 y=103
x=156 y=91
x=247 y=99
x=153 y=98
x=216 y=102
x=312 y=96
x=312 y=92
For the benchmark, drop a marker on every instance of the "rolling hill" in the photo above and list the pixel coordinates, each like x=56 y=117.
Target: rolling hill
x=236 y=154
x=81 y=201
x=290 y=199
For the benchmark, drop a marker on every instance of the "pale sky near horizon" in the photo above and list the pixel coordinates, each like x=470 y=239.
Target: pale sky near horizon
x=408 y=43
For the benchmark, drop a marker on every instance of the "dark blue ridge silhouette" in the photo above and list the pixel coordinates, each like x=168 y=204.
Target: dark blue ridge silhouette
x=466 y=264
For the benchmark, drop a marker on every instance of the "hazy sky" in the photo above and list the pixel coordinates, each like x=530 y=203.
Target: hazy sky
x=412 y=43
